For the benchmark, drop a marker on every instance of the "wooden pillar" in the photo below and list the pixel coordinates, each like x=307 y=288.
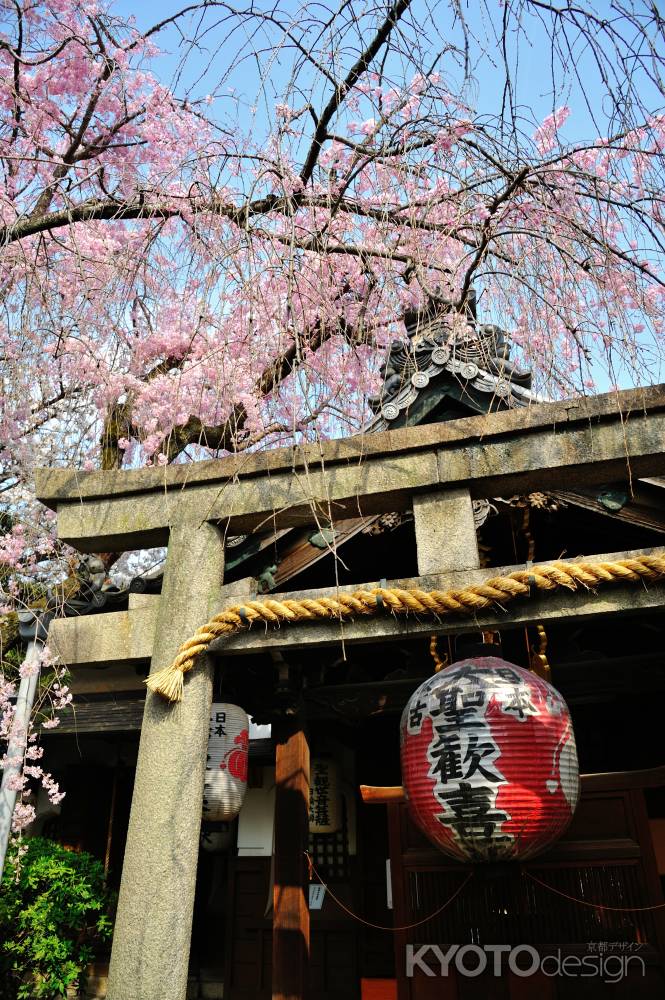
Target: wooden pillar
x=290 y=941
x=150 y=955
x=445 y=532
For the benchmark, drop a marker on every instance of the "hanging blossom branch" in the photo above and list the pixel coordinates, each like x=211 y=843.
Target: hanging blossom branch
x=21 y=752
x=177 y=281
x=54 y=695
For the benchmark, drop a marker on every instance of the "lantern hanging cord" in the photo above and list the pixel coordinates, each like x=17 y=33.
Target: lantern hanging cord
x=594 y=906
x=439 y=662
x=384 y=927
x=496 y=590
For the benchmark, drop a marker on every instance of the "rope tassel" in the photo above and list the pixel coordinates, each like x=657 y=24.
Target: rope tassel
x=169 y=682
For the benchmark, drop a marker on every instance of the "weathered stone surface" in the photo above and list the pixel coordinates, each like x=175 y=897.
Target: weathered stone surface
x=578 y=454
x=445 y=532
x=8 y=630
x=139 y=601
x=152 y=933
x=125 y=638
x=495 y=455
x=285 y=498
x=55 y=485
x=107 y=639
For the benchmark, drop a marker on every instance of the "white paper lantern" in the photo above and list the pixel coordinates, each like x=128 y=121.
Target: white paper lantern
x=325 y=811
x=226 y=766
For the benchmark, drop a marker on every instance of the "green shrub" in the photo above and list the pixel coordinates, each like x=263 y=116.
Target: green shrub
x=52 y=913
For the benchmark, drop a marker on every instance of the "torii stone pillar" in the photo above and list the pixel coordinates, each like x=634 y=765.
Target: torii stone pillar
x=446 y=539
x=150 y=955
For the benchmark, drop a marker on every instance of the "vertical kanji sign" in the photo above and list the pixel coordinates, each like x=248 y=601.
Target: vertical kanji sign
x=325 y=814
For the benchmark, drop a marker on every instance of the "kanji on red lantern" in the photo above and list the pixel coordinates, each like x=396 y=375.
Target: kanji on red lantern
x=489 y=763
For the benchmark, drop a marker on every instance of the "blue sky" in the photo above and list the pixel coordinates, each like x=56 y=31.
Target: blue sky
x=536 y=81
x=541 y=86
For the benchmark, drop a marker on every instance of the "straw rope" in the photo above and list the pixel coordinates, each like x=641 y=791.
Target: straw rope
x=496 y=590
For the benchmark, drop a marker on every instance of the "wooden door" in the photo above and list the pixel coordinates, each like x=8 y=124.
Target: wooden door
x=605 y=857
x=333 y=967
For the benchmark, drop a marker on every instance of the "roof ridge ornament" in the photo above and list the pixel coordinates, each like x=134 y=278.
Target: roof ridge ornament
x=440 y=340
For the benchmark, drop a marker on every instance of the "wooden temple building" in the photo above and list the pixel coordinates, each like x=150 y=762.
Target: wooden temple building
x=465 y=475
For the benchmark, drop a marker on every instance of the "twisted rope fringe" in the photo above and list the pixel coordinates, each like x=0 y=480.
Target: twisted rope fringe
x=169 y=682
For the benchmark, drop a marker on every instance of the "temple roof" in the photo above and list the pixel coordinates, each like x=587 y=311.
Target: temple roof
x=445 y=355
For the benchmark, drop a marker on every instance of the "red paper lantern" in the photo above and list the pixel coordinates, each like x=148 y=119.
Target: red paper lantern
x=489 y=763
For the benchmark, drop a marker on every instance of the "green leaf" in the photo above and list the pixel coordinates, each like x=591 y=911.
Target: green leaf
x=54 y=908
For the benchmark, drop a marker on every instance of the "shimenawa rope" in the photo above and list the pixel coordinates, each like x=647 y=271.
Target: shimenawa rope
x=169 y=682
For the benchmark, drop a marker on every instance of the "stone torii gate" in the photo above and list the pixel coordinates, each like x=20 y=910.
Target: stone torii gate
x=435 y=470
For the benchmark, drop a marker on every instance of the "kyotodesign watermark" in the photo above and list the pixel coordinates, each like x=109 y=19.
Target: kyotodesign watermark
x=523 y=960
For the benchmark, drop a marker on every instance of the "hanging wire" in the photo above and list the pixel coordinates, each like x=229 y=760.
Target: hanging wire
x=383 y=927
x=595 y=906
